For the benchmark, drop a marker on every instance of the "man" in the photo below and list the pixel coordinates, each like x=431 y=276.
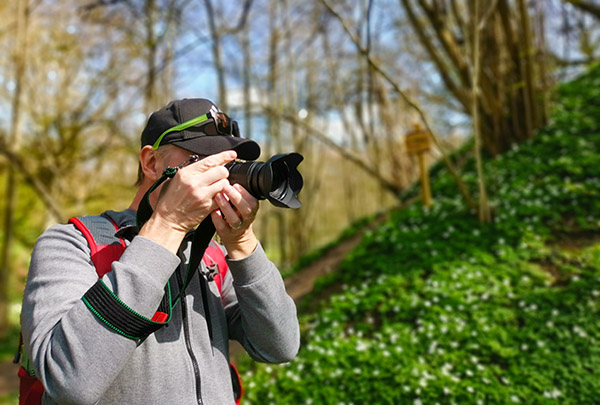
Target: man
x=80 y=358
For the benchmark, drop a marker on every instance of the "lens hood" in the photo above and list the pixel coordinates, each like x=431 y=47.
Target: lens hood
x=277 y=180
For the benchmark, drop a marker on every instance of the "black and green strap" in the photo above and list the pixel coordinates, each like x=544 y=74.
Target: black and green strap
x=121 y=318
x=145 y=211
x=105 y=305
x=202 y=236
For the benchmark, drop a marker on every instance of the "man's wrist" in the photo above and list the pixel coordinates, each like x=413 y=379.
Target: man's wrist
x=163 y=233
x=243 y=247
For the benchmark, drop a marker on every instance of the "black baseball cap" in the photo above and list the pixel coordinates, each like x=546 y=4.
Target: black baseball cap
x=197 y=125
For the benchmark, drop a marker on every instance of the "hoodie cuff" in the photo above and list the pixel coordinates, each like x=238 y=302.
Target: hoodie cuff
x=250 y=269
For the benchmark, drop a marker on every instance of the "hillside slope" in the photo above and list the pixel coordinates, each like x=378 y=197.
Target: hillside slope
x=439 y=308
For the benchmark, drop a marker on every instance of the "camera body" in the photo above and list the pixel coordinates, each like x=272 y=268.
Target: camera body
x=277 y=180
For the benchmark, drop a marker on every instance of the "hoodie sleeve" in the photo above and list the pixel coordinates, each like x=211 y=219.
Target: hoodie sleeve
x=65 y=340
x=260 y=313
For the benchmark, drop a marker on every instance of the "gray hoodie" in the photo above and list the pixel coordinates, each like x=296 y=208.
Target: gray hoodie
x=79 y=359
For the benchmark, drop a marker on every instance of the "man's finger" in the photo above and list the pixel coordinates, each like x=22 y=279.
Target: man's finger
x=211 y=175
x=216 y=187
x=229 y=213
x=213 y=161
x=245 y=193
x=245 y=203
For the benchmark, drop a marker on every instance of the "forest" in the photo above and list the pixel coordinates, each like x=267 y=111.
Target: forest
x=506 y=92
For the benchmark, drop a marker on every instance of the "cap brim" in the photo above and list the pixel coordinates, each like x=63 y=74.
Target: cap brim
x=246 y=149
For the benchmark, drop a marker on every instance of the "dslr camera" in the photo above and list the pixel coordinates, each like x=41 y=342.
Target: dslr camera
x=277 y=180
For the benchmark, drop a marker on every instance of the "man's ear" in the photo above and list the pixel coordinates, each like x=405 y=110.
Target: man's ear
x=149 y=164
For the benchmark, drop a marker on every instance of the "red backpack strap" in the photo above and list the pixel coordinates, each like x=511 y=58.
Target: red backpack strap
x=213 y=255
x=105 y=246
x=30 y=388
x=236 y=382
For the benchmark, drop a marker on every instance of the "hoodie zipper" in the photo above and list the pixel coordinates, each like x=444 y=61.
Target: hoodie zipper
x=188 y=344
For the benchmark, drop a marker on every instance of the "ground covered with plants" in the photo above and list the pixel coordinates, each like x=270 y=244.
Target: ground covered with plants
x=438 y=308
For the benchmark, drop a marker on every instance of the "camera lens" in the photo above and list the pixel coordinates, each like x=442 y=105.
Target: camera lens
x=277 y=180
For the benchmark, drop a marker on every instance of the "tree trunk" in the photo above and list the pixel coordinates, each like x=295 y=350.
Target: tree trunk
x=508 y=92
x=298 y=238
x=217 y=58
x=151 y=52
x=247 y=72
x=273 y=122
x=483 y=208
x=14 y=139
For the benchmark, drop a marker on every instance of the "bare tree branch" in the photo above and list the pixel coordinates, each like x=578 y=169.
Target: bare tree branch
x=244 y=16
x=587 y=6
x=344 y=152
x=488 y=14
x=457 y=89
x=462 y=187
x=100 y=3
x=34 y=182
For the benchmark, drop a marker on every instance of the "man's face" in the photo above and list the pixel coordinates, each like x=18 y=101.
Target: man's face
x=173 y=156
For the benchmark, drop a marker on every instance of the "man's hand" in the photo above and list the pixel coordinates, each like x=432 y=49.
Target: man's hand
x=187 y=199
x=233 y=220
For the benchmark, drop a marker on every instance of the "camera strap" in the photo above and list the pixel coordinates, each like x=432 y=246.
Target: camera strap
x=202 y=236
x=145 y=211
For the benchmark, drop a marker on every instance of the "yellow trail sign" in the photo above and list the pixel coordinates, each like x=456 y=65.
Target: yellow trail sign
x=417 y=142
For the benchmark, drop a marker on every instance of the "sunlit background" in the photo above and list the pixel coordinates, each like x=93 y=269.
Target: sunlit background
x=341 y=82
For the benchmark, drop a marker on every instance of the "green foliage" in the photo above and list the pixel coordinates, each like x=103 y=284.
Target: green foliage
x=10 y=343
x=8 y=400
x=438 y=308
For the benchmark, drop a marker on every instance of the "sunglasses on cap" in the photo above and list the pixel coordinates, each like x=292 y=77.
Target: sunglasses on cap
x=218 y=124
